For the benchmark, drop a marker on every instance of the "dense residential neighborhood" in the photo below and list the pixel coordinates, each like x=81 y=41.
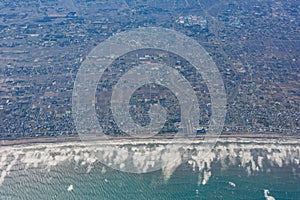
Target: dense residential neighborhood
x=255 y=46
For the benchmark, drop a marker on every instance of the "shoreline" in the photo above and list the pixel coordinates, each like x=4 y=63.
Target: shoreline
x=21 y=141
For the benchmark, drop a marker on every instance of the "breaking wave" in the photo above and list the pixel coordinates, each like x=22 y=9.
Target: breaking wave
x=148 y=155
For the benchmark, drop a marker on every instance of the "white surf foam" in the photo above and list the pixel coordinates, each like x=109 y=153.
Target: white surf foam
x=147 y=155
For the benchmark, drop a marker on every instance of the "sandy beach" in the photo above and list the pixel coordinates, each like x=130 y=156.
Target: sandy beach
x=18 y=141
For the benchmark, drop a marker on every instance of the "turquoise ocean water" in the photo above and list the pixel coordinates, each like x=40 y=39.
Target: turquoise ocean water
x=102 y=182
x=38 y=184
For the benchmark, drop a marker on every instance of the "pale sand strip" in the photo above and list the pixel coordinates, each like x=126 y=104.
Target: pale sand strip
x=9 y=142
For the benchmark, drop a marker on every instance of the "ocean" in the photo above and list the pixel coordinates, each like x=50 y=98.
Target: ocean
x=234 y=169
